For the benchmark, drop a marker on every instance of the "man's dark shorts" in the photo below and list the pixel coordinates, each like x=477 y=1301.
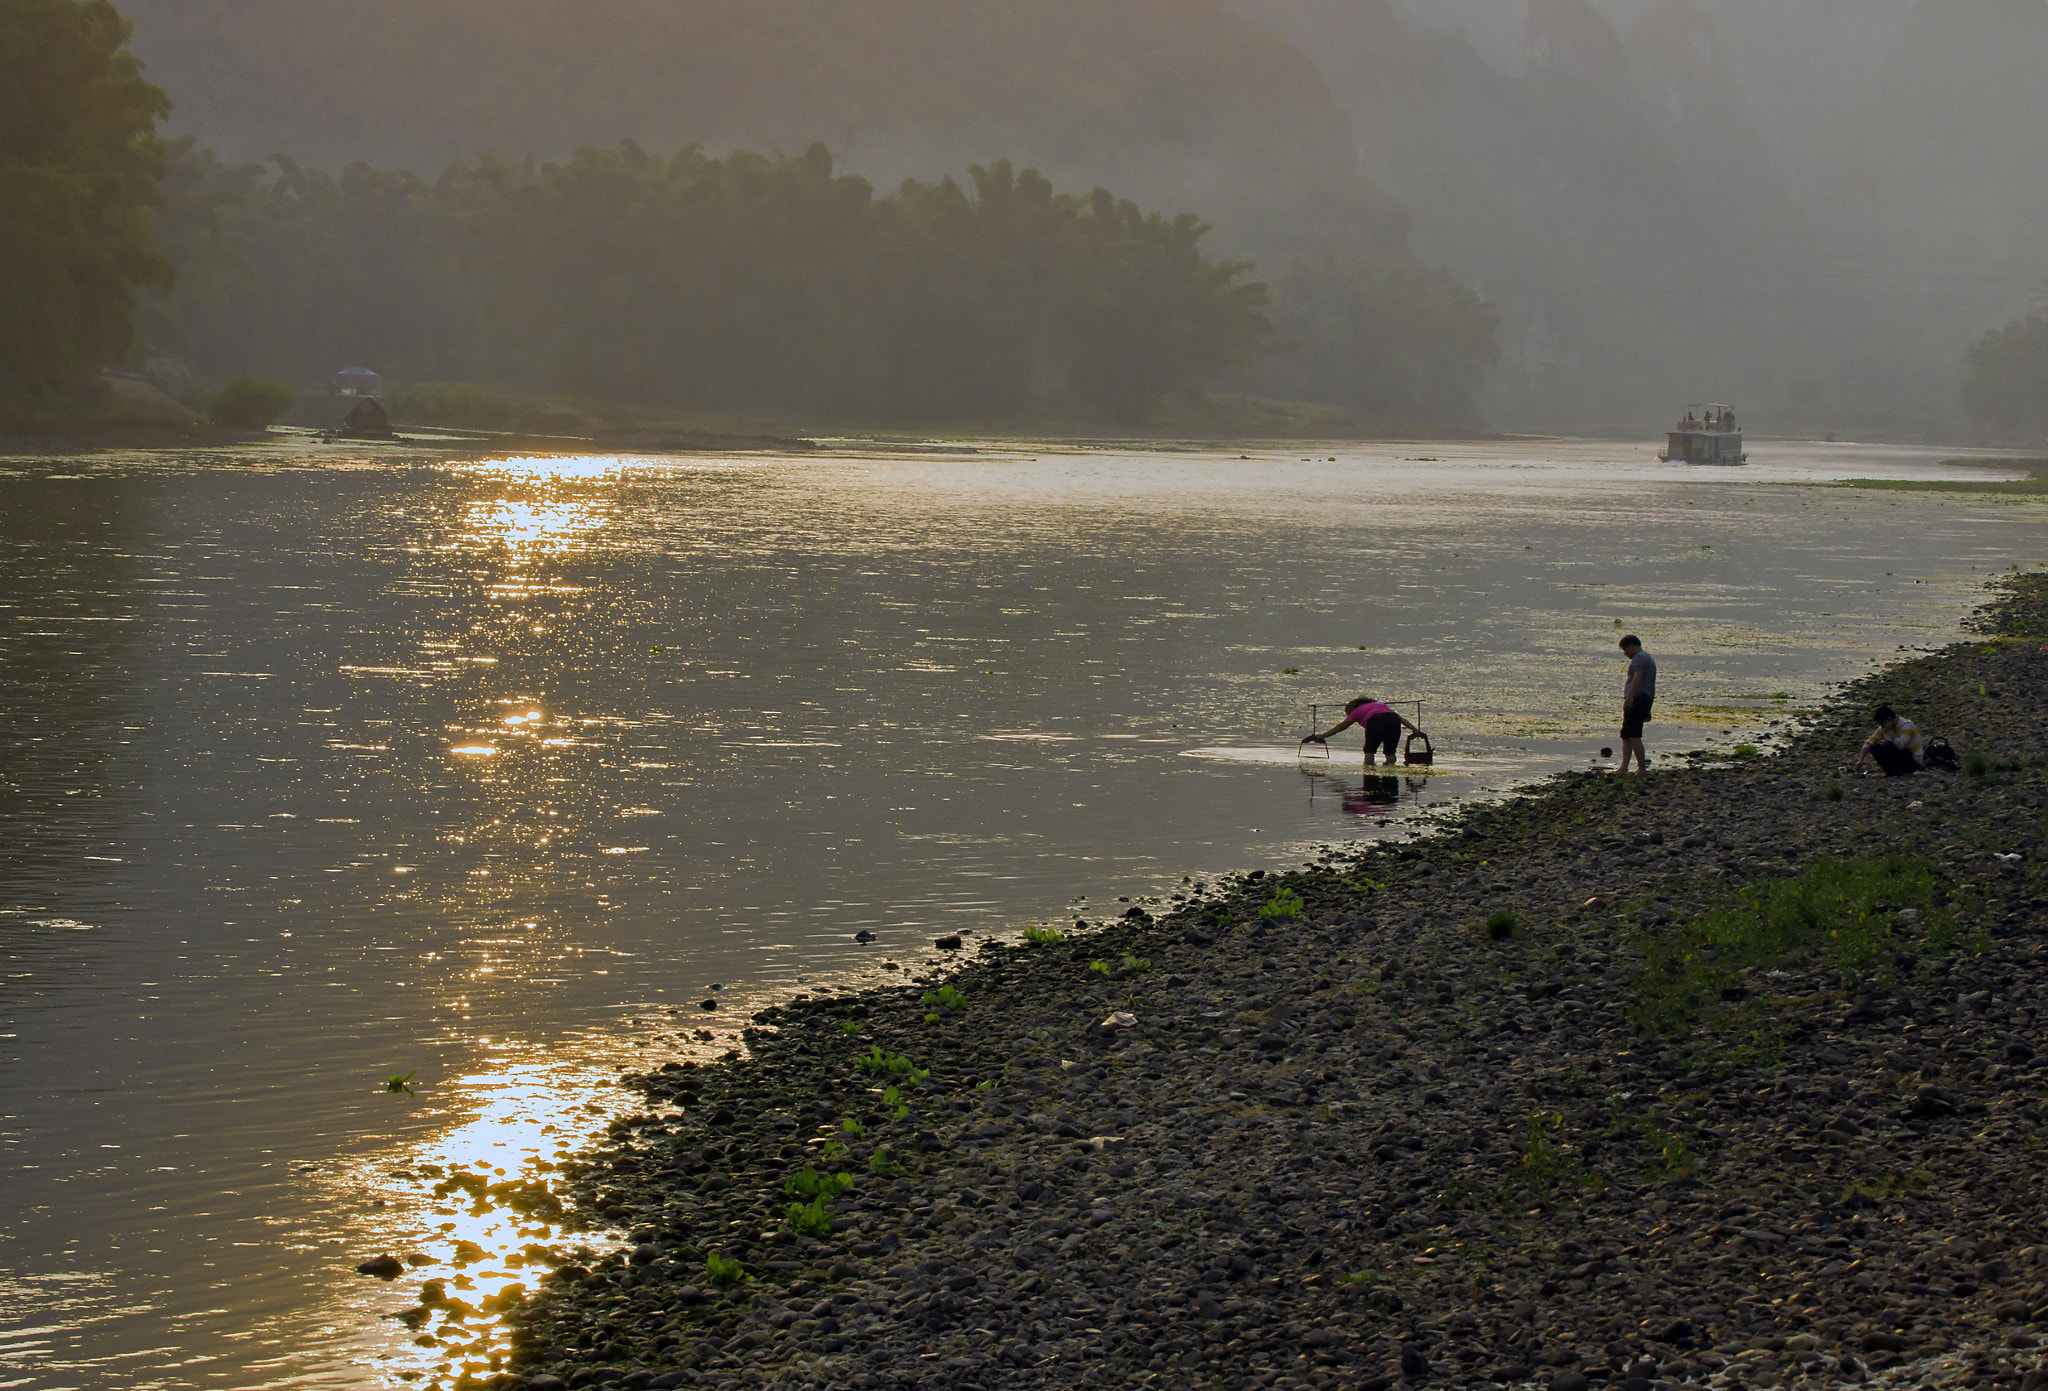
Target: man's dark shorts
x=1638 y=715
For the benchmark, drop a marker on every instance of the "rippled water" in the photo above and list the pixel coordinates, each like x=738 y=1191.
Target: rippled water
x=323 y=768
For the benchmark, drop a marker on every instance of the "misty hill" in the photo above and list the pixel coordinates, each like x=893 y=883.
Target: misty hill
x=1813 y=207
x=1175 y=103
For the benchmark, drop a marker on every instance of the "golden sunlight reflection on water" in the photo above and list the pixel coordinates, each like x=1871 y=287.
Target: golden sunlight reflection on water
x=475 y=1210
x=497 y=770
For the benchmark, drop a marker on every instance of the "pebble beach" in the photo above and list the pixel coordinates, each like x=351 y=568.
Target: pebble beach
x=1731 y=1075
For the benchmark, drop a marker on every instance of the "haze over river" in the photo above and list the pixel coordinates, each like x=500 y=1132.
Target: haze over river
x=322 y=767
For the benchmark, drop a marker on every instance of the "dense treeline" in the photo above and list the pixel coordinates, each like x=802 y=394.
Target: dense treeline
x=752 y=282
x=749 y=283
x=1173 y=103
x=79 y=164
x=2006 y=389
x=1397 y=341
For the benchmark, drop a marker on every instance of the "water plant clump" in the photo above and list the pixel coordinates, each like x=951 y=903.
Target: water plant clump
x=1043 y=936
x=724 y=1273
x=810 y=1183
x=1285 y=903
x=946 y=997
x=878 y=1061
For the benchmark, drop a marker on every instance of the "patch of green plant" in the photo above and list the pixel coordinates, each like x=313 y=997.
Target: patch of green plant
x=809 y=1183
x=1975 y=764
x=831 y=1149
x=812 y=1218
x=1362 y=885
x=945 y=997
x=1842 y=913
x=1361 y=1277
x=1669 y=1151
x=853 y=1127
x=1745 y=751
x=1618 y=1123
x=1542 y=1161
x=1503 y=925
x=881 y=1164
x=724 y=1273
x=1101 y=968
x=1043 y=936
x=1834 y=792
x=1133 y=964
x=894 y=1099
x=878 y=1062
x=849 y=1027
x=400 y=1083
x=1899 y=1183
x=248 y=403
x=1285 y=903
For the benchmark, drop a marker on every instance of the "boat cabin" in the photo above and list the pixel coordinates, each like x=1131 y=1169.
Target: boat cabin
x=1705 y=434
x=356 y=381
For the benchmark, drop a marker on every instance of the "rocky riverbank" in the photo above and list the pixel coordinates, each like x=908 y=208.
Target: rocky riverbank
x=1724 y=1074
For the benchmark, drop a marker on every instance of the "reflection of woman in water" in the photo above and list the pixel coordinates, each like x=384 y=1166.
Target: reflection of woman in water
x=1382 y=724
x=1375 y=797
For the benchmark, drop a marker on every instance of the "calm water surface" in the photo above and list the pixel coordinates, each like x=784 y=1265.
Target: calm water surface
x=322 y=767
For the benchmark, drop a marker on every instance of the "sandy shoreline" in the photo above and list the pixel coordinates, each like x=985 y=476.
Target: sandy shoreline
x=1748 y=1090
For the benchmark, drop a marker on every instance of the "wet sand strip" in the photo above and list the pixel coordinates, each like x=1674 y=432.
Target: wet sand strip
x=1730 y=1075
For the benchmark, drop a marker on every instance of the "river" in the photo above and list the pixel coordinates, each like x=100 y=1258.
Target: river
x=325 y=767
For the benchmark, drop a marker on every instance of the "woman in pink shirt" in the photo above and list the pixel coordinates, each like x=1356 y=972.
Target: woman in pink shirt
x=1382 y=723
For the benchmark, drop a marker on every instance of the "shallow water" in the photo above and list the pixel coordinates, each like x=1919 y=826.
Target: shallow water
x=326 y=767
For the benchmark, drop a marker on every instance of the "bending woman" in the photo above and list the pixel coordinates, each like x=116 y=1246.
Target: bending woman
x=1381 y=722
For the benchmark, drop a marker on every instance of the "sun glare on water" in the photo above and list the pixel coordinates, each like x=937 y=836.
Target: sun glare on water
x=476 y=1212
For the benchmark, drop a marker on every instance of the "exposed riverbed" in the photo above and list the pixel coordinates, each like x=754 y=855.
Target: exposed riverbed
x=324 y=768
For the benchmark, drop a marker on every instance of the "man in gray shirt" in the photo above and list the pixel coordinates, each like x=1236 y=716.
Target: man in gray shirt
x=1637 y=695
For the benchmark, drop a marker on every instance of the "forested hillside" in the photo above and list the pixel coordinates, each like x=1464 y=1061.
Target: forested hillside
x=1177 y=105
x=1808 y=206
x=1811 y=207
x=79 y=164
x=1174 y=103
x=749 y=283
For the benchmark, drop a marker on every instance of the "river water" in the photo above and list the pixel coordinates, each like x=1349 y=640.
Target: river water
x=325 y=766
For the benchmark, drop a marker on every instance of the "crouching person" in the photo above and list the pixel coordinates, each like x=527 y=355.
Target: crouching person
x=1898 y=747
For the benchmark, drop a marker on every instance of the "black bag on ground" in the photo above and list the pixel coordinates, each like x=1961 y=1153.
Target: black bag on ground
x=1938 y=754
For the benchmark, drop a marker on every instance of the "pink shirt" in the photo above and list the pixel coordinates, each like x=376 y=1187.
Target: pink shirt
x=1366 y=709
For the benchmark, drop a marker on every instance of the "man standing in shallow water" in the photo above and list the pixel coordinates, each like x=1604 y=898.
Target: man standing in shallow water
x=1638 y=692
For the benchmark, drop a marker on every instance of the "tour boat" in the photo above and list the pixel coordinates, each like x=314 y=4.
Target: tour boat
x=1706 y=434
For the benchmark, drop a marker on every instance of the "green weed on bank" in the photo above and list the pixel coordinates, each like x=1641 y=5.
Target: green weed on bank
x=1841 y=914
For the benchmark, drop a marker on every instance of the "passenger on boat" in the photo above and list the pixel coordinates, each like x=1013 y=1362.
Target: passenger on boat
x=1687 y=423
x=1728 y=419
